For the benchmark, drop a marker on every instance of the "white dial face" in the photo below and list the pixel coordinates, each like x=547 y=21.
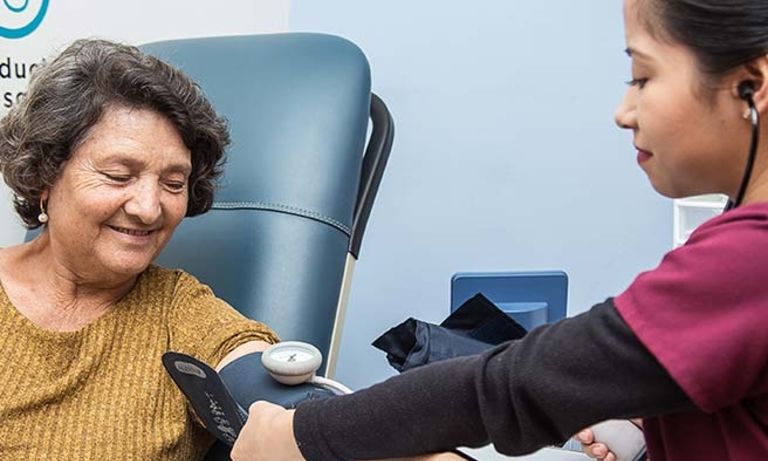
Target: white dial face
x=292 y=356
x=292 y=362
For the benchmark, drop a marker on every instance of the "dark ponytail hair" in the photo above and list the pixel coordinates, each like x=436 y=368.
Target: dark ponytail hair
x=723 y=34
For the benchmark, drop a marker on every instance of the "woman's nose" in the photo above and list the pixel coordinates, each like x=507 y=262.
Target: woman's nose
x=144 y=202
x=626 y=113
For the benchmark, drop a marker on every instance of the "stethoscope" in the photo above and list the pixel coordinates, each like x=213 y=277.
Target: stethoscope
x=746 y=92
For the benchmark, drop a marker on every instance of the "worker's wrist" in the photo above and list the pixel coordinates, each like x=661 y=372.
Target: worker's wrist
x=286 y=427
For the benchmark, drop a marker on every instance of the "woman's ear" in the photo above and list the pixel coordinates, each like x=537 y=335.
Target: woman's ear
x=752 y=82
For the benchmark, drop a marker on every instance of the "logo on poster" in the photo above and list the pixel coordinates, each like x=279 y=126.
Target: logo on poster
x=16 y=7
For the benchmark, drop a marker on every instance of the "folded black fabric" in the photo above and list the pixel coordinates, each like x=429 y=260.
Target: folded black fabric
x=473 y=328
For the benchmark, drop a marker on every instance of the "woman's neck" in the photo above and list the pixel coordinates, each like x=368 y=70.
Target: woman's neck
x=52 y=293
x=757 y=191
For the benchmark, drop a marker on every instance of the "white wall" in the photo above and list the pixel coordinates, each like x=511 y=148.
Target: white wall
x=135 y=22
x=505 y=157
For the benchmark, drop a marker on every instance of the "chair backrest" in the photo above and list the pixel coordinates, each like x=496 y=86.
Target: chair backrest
x=296 y=187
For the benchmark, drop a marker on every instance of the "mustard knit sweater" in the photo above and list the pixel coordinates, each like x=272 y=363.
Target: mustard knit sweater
x=101 y=393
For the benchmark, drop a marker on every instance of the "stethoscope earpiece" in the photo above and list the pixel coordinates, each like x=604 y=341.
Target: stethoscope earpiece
x=746 y=90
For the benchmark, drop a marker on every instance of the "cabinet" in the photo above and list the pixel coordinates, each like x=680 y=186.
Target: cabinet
x=690 y=212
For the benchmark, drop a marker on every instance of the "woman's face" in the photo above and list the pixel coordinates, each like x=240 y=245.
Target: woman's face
x=120 y=195
x=690 y=140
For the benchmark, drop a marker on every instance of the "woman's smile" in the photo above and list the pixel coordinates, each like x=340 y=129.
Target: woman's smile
x=134 y=235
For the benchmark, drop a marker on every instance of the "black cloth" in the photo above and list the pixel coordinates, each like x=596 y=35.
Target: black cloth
x=520 y=396
x=476 y=326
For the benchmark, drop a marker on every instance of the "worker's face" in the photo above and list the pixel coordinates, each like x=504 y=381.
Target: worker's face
x=689 y=132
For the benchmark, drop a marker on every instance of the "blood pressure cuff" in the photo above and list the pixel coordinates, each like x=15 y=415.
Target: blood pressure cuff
x=473 y=328
x=248 y=381
x=221 y=400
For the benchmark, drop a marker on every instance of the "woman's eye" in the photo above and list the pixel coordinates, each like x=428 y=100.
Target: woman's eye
x=117 y=178
x=638 y=82
x=175 y=186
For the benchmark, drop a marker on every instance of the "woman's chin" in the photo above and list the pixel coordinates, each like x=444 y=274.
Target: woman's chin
x=123 y=260
x=670 y=191
x=662 y=190
x=127 y=266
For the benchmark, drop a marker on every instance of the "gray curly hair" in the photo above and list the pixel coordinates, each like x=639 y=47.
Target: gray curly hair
x=68 y=96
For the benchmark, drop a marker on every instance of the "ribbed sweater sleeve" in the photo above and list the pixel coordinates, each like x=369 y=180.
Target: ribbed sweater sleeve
x=205 y=326
x=520 y=396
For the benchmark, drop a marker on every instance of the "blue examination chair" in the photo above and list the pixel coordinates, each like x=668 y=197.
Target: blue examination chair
x=309 y=147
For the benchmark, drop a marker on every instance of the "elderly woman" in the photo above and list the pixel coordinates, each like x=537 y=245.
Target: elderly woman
x=109 y=151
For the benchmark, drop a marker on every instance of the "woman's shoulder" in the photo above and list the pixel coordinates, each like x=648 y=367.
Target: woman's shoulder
x=746 y=226
x=752 y=213
x=172 y=294
x=174 y=283
x=723 y=256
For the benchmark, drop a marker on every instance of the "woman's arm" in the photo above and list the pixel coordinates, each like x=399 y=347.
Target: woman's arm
x=278 y=424
x=520 y=396
x=241 y=350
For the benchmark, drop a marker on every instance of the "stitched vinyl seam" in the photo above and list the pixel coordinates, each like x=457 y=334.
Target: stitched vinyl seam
x=288 y=209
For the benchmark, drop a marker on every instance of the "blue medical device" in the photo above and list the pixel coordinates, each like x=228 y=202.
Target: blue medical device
x=531 y=298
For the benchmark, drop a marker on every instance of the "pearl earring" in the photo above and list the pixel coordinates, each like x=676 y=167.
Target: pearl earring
x=43 y=216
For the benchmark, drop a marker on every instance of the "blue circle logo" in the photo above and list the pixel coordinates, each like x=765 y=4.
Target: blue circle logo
x=16 y=7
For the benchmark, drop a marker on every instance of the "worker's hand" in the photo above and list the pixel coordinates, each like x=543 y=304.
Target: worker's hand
x=594 y=449
x=602 y=451
x=267 y=435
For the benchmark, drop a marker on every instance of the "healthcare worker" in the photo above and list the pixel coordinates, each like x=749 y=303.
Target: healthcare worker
x=685 y=346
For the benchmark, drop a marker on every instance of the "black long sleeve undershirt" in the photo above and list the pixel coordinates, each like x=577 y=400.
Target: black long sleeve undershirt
x=520 y=396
